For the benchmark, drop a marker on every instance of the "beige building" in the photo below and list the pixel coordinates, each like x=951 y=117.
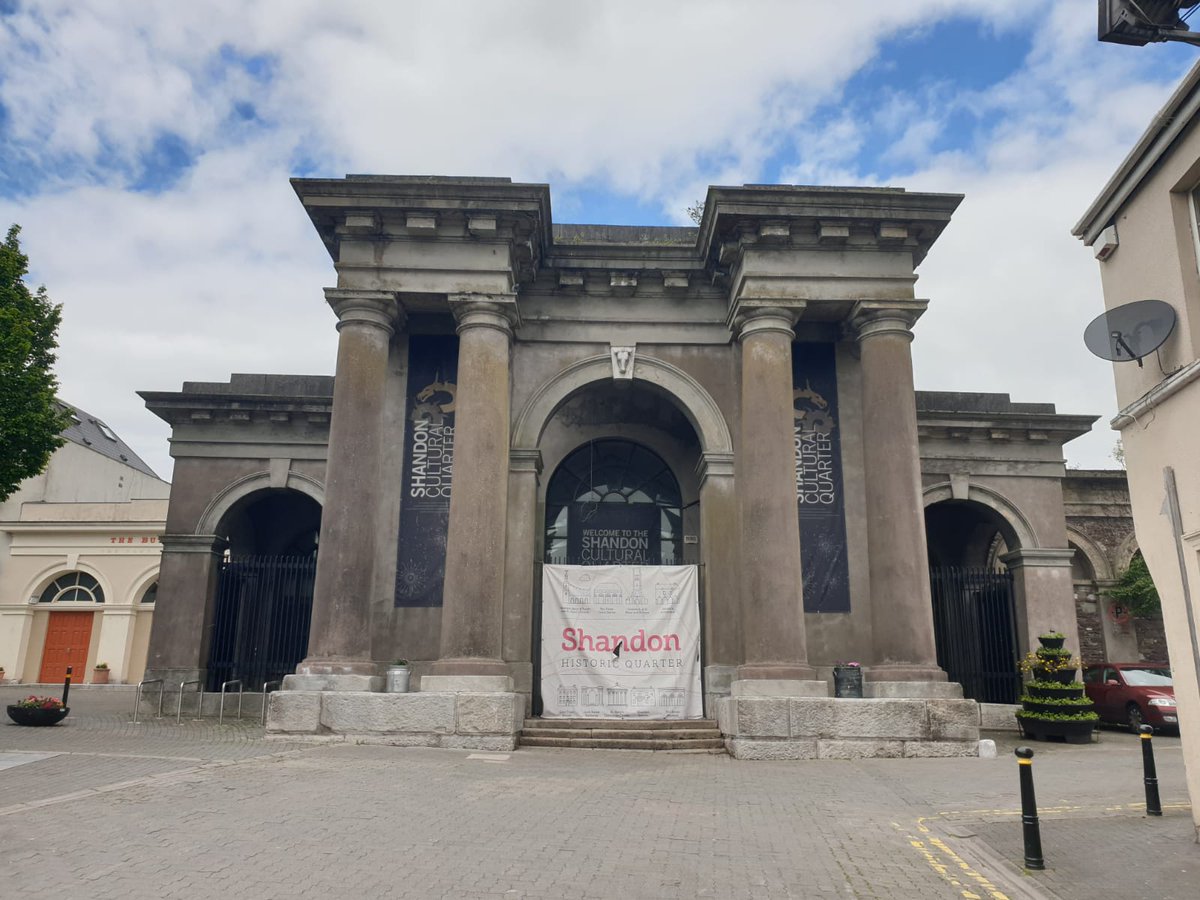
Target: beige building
x=79 y=555
x=1143 y=228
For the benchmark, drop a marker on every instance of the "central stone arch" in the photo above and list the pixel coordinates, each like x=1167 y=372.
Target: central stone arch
x=693 y=400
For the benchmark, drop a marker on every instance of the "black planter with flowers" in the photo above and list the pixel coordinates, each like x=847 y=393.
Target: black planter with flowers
x=38 y=711
x=1054 y=707
x=847 y=680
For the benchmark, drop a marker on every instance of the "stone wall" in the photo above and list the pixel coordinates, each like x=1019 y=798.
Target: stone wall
x=1152 y=639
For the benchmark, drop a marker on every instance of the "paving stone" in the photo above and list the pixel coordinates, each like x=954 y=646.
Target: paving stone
x=940 y=749
x=863 y=749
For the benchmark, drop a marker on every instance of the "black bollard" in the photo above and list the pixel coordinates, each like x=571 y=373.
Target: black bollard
x=1153 y=804
x=1029 y=819
x=66 y=686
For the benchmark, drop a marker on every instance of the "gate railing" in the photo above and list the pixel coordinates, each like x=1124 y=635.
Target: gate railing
x=261 y=622
x=975 y=626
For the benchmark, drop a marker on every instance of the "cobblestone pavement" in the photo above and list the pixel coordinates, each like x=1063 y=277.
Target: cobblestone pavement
x=199 y=811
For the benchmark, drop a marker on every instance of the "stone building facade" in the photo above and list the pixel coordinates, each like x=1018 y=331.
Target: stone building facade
x=755 y=370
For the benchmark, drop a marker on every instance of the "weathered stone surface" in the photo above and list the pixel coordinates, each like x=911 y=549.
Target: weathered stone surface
x=953 y=720
x=762 y=716
x=941 y=749
x=334 y=683
x=987 y=749
x=811 y=717
x=998 y=716
x=865 y=749
x=409 y=739
x=354 y=713
x=778 y=687
x=748 y=748
x=491 y=713
x=726 y=710
x=912 y=690
x=473 y=683
x=294 y=712
x=887 y=719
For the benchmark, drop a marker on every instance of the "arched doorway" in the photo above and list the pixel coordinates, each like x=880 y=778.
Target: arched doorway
x=265 y=588
x=974 y=610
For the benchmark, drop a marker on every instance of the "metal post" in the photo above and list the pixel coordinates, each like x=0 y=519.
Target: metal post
x=221 y=715
x=266 y=693
x=66 y=687
x=1029 y=818
x=179 y=705
x=137 y=700
x=1153 y=804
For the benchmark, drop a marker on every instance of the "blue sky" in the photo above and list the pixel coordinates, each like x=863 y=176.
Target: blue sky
x=145 y=149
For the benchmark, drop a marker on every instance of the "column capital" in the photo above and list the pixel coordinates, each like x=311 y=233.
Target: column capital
x=714 y=464
x=767 y=319
x=879 y=318
x=374 y=308
x=193 y=543
x=1039 y=557
x=525 y=460
x=498 y=311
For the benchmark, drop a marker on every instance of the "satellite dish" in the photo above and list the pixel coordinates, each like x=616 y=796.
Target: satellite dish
x=1131 y=331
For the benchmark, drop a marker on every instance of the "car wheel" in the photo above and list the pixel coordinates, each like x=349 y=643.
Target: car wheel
x=1133 y=715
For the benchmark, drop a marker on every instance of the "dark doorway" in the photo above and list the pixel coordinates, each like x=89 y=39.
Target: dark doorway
x=264 y=591
x=975 y=626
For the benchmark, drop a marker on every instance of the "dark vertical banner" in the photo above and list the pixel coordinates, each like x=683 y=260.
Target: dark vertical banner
x=820 y=500
x=428 y=467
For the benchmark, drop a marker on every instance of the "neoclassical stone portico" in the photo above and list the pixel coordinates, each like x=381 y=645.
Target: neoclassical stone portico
x=758 y=368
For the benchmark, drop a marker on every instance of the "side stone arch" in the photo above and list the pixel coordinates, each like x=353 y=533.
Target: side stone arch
x=694 y=401
x=243 y=487
x=1102 y=569
x=1124 y=554
x=1008 y=511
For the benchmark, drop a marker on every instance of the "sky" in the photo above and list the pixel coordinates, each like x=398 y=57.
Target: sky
x=145 y=150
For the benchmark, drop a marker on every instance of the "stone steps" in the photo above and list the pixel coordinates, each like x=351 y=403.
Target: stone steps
x=699 y=735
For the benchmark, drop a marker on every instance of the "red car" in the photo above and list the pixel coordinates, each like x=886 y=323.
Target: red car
x=1133 y=694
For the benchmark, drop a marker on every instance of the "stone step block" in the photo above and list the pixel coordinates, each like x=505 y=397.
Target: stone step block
x=647 y=724
x=714 y=744
x=624 y=733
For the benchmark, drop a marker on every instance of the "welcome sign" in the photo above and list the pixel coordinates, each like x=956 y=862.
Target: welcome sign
x=620 y=642
x=428 y=469
x=614 y=534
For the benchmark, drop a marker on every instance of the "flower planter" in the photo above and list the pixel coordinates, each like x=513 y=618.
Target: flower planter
x=1066 y=692
x=397 y=679
x=100 y=676
x=1050 y=729
x=1062 y=676
x=1032 y=705
x=1052 y=643
x=847 y=681
x=35 y=717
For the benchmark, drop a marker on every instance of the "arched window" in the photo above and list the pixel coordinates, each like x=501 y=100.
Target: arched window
x=151 y=593
x=614 y=502
x=74 y=587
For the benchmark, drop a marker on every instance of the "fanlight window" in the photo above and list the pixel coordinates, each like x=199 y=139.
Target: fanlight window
x=151 y=593
x=613 y=472
x=74 y=587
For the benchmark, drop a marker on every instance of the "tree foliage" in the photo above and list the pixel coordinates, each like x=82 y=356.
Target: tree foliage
x=30 y=417
x=1135 y=589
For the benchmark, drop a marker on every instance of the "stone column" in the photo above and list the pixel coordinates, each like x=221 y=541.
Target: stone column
x=1044 y=595
x=339 y=643
x=473 y=595
x=524 y=467
x=719 y=540
x=901 y=606
x=772 y=591
x=181 y=630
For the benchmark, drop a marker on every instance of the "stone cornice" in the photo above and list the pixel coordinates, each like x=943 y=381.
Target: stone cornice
x=373 y=308
x=1039 y=557
x=498 y=311
x=192 y=543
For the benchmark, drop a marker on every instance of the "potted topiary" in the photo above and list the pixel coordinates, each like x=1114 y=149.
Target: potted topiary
x=100 y=673
x=1053 y=706
x=38 y=711
x=398 y=674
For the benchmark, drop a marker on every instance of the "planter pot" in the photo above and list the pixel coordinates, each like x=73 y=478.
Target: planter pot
x=847 y=681
x=100 y=676
x=1066 y=692
x=1053 y=643
x=1032 y=705
x=397 y=679
x=1049 y=730
x=37 y=717
x=1063 y=676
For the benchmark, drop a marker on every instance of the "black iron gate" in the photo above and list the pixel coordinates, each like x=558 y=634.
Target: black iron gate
x=975 y=625
x=260 y=626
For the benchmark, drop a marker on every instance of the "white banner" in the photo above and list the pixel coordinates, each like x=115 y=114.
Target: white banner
x=620 y=642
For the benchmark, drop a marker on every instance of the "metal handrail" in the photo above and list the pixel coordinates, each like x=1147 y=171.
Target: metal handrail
x=241 y=692
x=266 y=692
x=179 y=705
x=137 y=701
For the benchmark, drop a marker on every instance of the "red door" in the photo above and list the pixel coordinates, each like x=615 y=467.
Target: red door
x=67 y=639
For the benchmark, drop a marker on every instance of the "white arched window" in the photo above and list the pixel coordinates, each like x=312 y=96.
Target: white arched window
x=74 y=587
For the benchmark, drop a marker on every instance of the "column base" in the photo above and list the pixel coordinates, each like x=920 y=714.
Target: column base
x=457 y=684
x=903 y=672
x=336 y=675
x=778 y=687
x=470 y=666
x=776 y=672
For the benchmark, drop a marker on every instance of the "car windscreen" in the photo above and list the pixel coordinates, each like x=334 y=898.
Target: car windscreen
x=1147 y=677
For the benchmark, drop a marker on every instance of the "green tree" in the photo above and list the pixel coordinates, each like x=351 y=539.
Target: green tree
x=1135 y=589
x=31 y=419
